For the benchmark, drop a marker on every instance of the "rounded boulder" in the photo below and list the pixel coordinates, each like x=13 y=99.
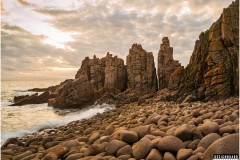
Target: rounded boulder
x=170 y=144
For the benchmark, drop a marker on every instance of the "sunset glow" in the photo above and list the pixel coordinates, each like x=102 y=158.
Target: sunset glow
x=69 y=30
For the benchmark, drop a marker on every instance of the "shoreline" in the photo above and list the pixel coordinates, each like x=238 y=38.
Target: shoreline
x=58 y=118
x=121 y=132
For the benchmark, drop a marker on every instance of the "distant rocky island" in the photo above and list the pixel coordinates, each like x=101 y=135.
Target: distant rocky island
x=166 y=113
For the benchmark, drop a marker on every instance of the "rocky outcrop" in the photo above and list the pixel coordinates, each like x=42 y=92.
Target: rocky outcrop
x=141 y=70
x=94 y=78
x=166 y=63
x=115 y=73
x=51 y=89
x=213 y=71
x=32 y=99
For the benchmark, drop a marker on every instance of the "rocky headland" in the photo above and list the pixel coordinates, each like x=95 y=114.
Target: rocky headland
x=212 y=73
x=169 y=113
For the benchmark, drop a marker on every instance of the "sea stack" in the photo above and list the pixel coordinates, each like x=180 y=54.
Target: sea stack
x=141 y=70
x=166 y=64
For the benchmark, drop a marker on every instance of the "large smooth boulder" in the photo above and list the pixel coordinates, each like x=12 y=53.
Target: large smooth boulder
x=184 y=132
x=209 y=127
x=225 y=145
x=129 y=136
x=170 y=144
x=113 y=146
x=142 y=148
x=208 y=140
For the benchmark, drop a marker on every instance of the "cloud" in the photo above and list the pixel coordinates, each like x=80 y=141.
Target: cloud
x=99 y=27
x=24 y=56
x=115 y=26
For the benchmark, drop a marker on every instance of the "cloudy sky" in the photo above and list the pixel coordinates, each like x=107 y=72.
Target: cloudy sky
x=48 y=39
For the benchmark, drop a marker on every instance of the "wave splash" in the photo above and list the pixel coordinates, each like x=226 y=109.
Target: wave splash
x=68 y=117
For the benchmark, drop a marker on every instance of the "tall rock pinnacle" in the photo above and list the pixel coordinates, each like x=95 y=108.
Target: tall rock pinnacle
x=141 y=70
x=166 y=63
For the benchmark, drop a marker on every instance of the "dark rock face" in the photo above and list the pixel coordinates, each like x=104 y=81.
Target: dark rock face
x=213 y=72
x=94 y=78
x=141 y=70
x=115 y=73
x=48 y=93
x=51 y=89
x=141 y=76
x=166 y=64
x=33 y=99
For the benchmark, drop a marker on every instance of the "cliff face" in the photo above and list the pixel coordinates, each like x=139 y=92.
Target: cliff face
x=141 y=70
x=166 y=64
x=94 y=78
x=213 y=72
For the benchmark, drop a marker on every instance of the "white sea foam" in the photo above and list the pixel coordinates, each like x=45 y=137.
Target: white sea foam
x=67 y=116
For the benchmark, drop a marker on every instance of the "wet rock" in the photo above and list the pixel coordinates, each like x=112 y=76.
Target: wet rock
x=35 y=99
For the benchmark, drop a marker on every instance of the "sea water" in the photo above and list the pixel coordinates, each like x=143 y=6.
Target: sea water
x=17 y=121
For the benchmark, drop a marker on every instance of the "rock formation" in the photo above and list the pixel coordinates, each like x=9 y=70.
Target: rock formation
x=166 y=63
x=94 y=78
x=141 y=70
x=213 y=72
x=32 y=99
x=115 y=73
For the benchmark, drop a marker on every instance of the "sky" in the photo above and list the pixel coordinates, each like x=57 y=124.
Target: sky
x=48 y=39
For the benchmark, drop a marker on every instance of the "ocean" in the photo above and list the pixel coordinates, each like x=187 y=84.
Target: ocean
x=17 y=121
